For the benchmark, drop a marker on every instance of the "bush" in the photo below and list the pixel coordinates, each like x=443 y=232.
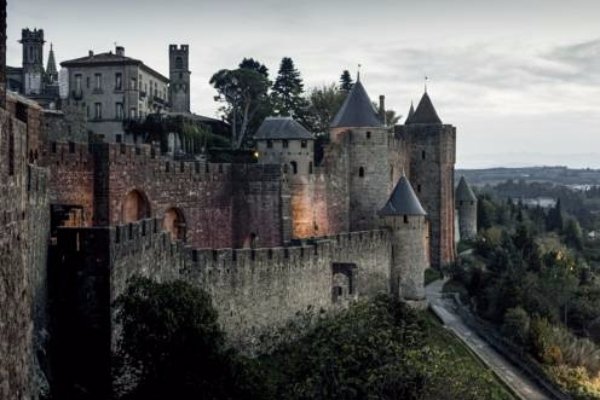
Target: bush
x=516 y=325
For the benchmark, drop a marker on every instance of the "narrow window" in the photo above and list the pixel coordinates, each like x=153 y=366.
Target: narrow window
x=132 y=112
x=419 y=188
x=303 y=144
x=285 y=168
x=133 y=84
x=98 y=81
x=119 y=111
x=310 y=167
x=406 y=219
x=118 y=81
x=71 y=147
x=423 y=155
x=269 y=144
x=460 y=203
x=294 y=165
x=98 y=110
x=179 y=63
x=87 y=82
x=361 y=172
x=78 y=83
x=285 y=143
x=118 y=138
x=368 y=134
x=54 y=147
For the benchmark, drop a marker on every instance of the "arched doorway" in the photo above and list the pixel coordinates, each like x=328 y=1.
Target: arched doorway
x=174 y=223
x=135 y=207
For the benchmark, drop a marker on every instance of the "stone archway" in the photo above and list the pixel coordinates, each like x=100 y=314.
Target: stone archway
x=174 y=223
x=135 y=207
x=343 y=282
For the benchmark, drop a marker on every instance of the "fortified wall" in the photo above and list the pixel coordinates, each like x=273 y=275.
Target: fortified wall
x=117 y=183
x=253 y=290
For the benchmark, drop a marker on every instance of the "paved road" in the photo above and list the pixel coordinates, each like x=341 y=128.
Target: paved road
x=520 y=383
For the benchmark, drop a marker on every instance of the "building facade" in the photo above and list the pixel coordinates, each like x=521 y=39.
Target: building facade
x=111 y=87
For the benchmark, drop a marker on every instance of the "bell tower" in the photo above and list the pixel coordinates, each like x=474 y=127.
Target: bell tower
x=179 y=75
x=33 y=60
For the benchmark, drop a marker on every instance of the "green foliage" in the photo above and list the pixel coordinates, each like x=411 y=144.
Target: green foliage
x=324 y=102
x=432 y=275
x=516 y=325
x=172 y=344
x=288 y=90
x=346 y=81
x=573 y=234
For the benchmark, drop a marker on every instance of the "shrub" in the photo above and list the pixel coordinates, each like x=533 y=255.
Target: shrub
x=516 y=325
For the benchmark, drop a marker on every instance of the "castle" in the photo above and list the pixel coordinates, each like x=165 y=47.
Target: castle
x=266 y=239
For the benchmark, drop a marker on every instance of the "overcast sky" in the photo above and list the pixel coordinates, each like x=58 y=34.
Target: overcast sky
x=520 y=79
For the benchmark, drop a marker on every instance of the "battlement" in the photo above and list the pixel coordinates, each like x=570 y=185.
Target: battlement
x=184 y=48
x=28 y=35
x=67 y=154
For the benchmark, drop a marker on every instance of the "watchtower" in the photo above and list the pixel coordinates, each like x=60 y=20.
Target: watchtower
x=466 y=206
x=179 y=76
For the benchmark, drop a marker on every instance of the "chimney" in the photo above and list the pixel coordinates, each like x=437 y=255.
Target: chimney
x=120 y=51
x=2 y=53
x=91 y=53
x=382 y=109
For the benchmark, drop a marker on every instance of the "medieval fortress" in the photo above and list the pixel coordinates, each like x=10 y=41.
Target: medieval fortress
x=85 y=206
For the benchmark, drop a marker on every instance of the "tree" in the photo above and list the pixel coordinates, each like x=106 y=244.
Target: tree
x=555 y=220
x=245 y=91
x=516 y=325
x=573 y=234
x=346 y=82
x=324 y=103
x=174 y=345
x=254 y=65
x=288 y=90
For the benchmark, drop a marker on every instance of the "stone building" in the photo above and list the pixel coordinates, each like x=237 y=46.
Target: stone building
x=179 y=75
x=111 y=87
x=32 y=79
x=466 y=207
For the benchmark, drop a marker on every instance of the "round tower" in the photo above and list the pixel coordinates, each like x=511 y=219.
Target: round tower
x=406 y=218
x=466 y=206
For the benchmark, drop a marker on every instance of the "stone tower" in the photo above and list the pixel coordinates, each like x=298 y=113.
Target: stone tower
x=358 y=127
x=285 y=142
x=432 y=152
x=33 y=60
x=51 y=71
x=179 y=76
x=406 y=218
x=466 y=206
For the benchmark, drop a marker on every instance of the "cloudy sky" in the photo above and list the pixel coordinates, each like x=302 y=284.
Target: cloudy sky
x=520 y=79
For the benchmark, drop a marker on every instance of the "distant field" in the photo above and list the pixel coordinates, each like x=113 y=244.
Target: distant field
x=558 y=175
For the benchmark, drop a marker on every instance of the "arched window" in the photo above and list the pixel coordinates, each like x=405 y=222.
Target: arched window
x=135 y=207
x=174 y=223
x=294 y=165
x=361 y=172
x=179 y=63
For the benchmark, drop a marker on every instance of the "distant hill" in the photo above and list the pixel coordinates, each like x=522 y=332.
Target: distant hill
x=557 y=175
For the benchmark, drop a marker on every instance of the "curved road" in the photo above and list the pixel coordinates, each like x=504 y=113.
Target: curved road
x=513 y=377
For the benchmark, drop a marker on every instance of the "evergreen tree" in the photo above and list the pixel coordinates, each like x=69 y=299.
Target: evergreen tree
x=288 y=90
x=255 y=65
x=346 y=82
x=555 y=220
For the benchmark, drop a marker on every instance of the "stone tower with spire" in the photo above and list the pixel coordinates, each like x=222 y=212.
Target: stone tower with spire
x=357 y=128
x=406 y=218
x=431 y=148
x=466 y=207
x=179 y=77
x=51 y=71
x=33 y=61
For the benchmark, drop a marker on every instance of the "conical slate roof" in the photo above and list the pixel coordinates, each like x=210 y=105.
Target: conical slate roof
x=464 y=191
x=357 y=110
x=425 y=113
x=282 y=128
x=411 y=112
x=403 y=201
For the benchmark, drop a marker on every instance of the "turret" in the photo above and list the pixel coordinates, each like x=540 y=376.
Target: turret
x=466 y=206
x=179 y=77
x=364 y=142
x=406 y=218
x=51 y=71
x=432 y=151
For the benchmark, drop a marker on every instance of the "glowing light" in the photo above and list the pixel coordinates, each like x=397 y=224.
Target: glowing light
x=256 y=154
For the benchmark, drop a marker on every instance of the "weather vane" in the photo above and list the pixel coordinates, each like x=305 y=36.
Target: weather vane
x=358 y=73
x=426 y=79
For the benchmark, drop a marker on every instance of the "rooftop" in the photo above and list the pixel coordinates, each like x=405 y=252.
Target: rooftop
x=464 y=191
x=403 y=201
x=357 y=110
x=425 y=113
x=282 y=128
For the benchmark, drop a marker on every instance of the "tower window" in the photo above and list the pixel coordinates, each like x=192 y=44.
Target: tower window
x=303 y=144
x=310 y=167
x=406 y=219
x=419 y=188
x=460 y=203
x=361 y=172
x=269 y=144
x=294 y=165
x=285 y=143
x=423 y=155
x=179 y=63
x=368 y=135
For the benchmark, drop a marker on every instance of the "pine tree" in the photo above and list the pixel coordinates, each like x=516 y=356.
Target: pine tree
x=346 y=82
x=555 y=220
x=288 y=90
